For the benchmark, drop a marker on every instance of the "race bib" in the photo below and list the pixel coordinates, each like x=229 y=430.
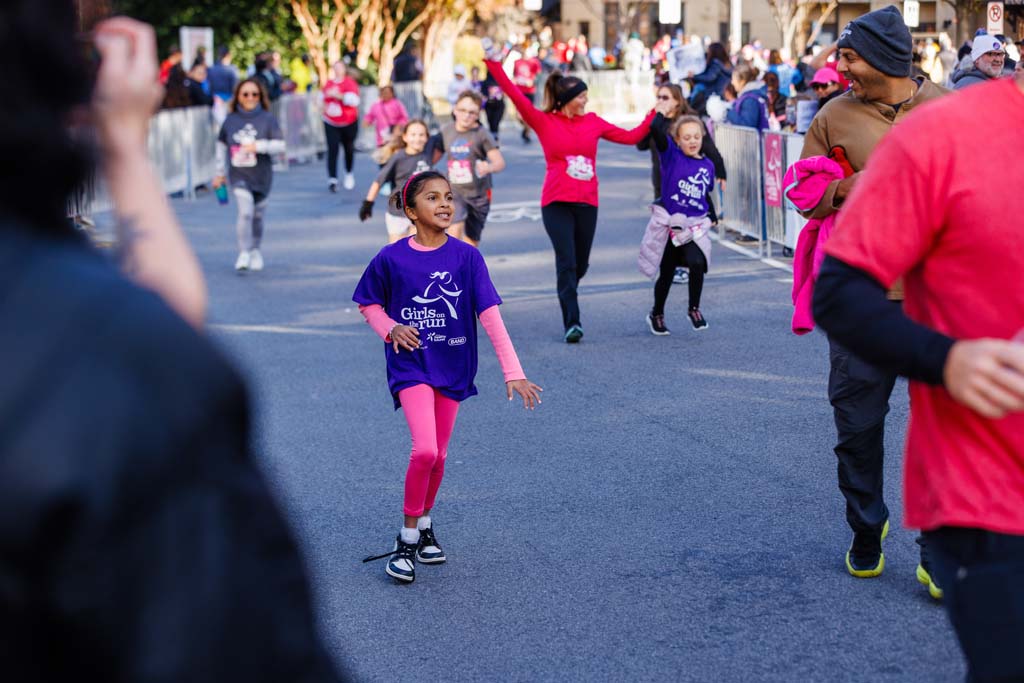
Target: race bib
x=242 y=159
x=580 y=167
x=460 y=172
x=333 y=109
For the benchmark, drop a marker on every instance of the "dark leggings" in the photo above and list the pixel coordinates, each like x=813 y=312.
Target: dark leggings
x=345 y=136
x=571 y=227
x=495 y=111
x=689 y=256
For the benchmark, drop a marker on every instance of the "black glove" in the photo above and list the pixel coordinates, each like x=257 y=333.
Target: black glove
x=366 y=210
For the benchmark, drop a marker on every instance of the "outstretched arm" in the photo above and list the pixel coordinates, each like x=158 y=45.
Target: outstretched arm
x=530 y=113
x=628 y=137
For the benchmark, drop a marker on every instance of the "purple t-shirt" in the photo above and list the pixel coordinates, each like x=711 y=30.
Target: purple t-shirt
x=685 y=182
x=441 y=293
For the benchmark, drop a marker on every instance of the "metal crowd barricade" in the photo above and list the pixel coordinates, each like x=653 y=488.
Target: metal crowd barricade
x=616 y=93
x=170 y=137
x=782 y=221
x=742 y=200
x=202 y=148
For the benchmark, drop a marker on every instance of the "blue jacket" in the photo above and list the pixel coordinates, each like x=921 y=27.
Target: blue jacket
x=714 y=77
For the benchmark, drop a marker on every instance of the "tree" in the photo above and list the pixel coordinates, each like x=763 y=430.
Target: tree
x=965 y=10
x=380 y=29
x=793 y=18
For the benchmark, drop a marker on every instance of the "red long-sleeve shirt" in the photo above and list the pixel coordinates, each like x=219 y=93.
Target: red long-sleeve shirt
x=570 y=144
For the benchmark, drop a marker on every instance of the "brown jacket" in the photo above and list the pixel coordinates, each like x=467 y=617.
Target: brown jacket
x=857 y=127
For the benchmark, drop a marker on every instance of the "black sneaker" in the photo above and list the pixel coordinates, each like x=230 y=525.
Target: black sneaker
x=656 y=324
x=429 y=550
x=697 y=320
x=573 y=334
x=924 y=571
x=401 y=564
x=864 y=559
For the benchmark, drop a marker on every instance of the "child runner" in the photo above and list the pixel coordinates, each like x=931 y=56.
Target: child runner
x=249 y=136
x=472 y=157
x=568 y=201
x=422 y=296
x=680 y=218
x=399 y=167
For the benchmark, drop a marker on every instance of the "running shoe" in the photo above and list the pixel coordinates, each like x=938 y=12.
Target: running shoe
x=332 y=184
x=255 y=260
x=924 y=571
x=697 y=320
x=401 y=564
x=682 y=276
x=242 y=263
x=656 y=324
x=350 y=181
x=573 y=334
x=865 y=559
x=429 y=550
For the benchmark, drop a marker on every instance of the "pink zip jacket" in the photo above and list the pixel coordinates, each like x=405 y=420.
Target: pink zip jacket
x=805 y=183
x=661 y=226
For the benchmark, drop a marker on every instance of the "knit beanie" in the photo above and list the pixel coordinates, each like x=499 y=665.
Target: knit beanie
x=882 y=40
x=983 y=45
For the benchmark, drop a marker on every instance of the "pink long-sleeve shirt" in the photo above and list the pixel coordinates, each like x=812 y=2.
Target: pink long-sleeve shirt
x=570 y=144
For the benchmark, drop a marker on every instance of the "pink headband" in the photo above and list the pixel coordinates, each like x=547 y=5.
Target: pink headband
x=405 y=189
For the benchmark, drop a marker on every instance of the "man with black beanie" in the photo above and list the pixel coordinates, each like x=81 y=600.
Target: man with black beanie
x=875 y=53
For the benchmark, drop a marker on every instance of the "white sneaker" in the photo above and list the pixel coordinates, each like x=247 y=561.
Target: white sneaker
x=350 y=181
x=243 y=261
x=255 y=260
x=332 y=184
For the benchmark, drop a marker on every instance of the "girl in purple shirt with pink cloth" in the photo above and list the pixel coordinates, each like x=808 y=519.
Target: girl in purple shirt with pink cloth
x=422 y=295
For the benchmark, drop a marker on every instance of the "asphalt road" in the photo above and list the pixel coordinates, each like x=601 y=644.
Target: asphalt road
x=669 y=513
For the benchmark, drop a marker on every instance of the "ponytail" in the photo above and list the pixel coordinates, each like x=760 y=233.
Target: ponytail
x=559 y=90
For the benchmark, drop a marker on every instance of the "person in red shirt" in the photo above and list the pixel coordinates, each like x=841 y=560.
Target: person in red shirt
x=569 y=197
x=173 y=60
x=947 y=220
x=341 y=123
x=524 y=74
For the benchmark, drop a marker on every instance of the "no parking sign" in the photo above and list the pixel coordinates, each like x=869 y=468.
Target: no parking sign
x=995 y=18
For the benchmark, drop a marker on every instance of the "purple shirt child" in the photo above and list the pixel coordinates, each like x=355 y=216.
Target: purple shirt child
x=685 y=182
x=441 y=293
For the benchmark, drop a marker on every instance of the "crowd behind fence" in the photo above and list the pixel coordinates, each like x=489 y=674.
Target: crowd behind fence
x=182 y=146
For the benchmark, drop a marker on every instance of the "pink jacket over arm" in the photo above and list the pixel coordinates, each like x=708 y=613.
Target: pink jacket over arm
x=805 y=183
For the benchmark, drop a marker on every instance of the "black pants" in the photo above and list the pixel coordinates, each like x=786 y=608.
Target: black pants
x=859 y=393
x=571 y=228
x=689 y=256
x=981 y=574
x=495 y=110
x=345 y=136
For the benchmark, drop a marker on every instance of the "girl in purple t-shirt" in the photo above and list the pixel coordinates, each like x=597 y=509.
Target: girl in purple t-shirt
x=422 y=295
x=680 y=221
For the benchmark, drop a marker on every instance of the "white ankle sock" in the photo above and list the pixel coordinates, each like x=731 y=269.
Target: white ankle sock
x=423 y=523
x=410 y=535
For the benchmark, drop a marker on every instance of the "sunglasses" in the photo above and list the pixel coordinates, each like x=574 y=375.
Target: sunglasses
x=664 y=98
x=248 y=93
x=819 y=86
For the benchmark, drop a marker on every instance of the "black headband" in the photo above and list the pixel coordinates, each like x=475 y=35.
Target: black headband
x=570 y=94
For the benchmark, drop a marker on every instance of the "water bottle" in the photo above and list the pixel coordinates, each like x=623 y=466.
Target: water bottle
x=222 y=193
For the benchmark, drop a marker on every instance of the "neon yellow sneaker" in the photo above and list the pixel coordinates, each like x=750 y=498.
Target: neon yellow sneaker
x=865 y=559
x=924 y=571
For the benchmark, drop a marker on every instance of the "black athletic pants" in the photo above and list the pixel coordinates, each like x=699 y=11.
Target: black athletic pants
x=345 y=136
x=689 y=256
x=495 y=110
x=859 y=393
x=981 y=573
x=570 y=227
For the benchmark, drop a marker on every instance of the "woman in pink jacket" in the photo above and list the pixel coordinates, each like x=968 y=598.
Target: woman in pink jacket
x=568 y=200
x=385 y=114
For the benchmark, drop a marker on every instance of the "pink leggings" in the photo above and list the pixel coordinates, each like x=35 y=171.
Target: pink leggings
x=431 y=418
